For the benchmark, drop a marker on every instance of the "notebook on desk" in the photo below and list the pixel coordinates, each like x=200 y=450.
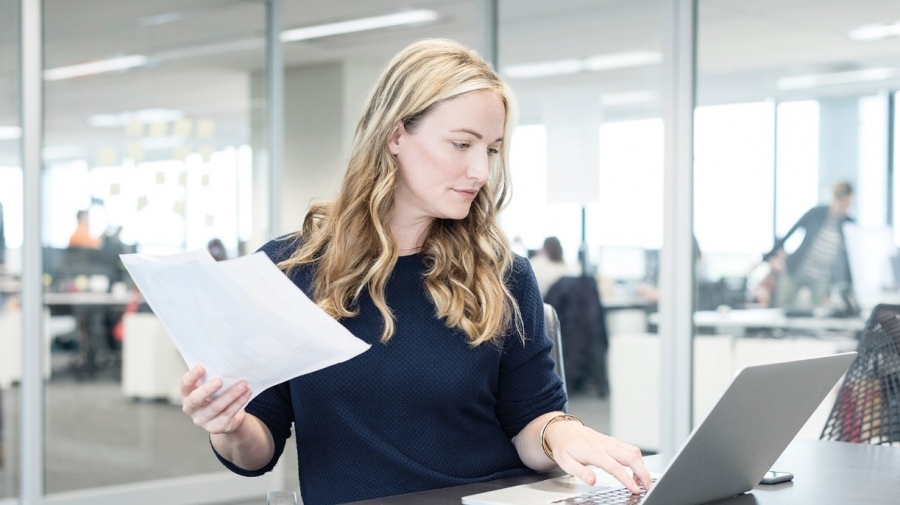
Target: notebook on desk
x=744 y=433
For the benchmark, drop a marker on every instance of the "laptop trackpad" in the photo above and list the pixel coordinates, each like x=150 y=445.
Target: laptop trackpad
x=565 y=484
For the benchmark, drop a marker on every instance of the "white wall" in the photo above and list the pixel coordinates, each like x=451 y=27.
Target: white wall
x=322 y=106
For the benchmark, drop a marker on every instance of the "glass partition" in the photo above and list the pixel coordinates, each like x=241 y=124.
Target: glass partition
x=587 y=167
x=10 y=247
x=791 y=183
x=149 y=117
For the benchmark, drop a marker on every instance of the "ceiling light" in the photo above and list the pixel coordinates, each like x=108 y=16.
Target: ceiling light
x=628 y=98
x=614 y=61
x=868 y=33
x=96 y=67
x=64 y=152
x=358 y=25
x=145 y=116
x=816 y=80
x=10 y=132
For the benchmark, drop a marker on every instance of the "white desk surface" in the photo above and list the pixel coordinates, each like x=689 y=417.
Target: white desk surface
x=770 y=318
x=86 y=298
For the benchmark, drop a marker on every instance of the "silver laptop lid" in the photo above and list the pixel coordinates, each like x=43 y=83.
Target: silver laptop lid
x=747 y=429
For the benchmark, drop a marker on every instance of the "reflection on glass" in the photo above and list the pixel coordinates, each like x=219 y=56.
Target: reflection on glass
x=10 y=243
x=587 y=169
x=802 y=137
x=148 y=149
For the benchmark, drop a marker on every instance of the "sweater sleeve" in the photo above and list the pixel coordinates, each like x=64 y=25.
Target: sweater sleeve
x=528 y=386
x=273 y=407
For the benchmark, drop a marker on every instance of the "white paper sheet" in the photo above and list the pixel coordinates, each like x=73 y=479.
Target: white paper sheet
x=240 y=318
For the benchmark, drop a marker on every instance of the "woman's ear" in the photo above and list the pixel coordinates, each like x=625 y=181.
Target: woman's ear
x=394 y=140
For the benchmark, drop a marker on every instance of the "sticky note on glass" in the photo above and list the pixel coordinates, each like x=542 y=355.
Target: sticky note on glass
x=135 y=151
x=206 y=128
x=183 y=128
x=134 y=128
x=158 y=129
x=107 y=157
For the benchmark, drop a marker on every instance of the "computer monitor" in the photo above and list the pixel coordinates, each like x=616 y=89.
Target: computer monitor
x=623 y=263
x=872 y=255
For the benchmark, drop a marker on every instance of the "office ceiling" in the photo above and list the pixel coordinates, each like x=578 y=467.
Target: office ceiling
x=205 y=50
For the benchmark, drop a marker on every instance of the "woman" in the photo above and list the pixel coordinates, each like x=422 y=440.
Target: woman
x=458 y=386
x=549 y=266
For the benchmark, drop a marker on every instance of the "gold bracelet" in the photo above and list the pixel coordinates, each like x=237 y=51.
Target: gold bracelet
x=561 y=417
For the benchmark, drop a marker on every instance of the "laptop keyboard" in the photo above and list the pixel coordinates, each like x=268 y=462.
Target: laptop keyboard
x=616 y=496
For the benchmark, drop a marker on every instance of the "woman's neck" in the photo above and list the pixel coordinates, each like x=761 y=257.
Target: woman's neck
x=409 y=234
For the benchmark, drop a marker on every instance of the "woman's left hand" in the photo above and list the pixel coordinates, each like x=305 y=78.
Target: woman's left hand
x=575 y=446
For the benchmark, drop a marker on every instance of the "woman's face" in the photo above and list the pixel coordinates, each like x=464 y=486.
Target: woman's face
x=446 y=161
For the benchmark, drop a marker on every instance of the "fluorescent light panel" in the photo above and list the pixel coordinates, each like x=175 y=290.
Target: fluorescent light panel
x=628 y=98
x=96 y=67
x=817 y=80
x=304 y=33
x=869 y=33
x=10 y=132
x=613 y=61
x=143 y=115
x=358 y=25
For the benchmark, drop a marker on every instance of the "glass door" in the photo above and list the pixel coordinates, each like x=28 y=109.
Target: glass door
x=792 y=182
x=587 y=168
x=150 y=112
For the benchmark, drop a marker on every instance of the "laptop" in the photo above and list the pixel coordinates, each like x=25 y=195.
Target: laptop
x=744 y=433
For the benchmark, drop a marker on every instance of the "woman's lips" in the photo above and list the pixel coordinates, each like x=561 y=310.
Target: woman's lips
x=467 y=193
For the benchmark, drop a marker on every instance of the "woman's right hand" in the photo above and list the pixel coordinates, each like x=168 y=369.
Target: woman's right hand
x=221 y=415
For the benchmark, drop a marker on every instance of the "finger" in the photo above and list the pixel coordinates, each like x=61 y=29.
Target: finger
x=572 y=467
x=189 y=380
x=201 y=395
x=630 y=456
x=612 y=467
x=222 y=402
x=225 y=418
x=641 y=472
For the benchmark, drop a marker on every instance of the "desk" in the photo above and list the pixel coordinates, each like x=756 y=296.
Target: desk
x=87 y=298
x=736 y=322
x=634 y=368
x=90 y=311
x=825 y=473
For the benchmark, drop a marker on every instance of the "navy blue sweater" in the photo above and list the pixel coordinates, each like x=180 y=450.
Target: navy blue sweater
x=424 y=411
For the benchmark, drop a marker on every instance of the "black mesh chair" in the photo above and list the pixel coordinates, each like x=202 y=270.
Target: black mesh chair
x=867 y=409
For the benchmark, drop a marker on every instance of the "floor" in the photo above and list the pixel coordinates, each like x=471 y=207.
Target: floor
x=97 y=437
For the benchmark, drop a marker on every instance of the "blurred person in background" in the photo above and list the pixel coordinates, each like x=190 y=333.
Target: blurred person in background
x=82 y=238
x=821 y=259
x=549 y=266
x=217 y=250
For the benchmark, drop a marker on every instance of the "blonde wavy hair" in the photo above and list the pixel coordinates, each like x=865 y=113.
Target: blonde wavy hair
x=348 y=241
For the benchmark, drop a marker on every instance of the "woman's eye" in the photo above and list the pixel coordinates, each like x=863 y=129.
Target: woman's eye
x=461 y=145
x=492 y=151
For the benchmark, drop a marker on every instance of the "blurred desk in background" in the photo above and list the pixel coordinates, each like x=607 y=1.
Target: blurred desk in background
x=634 y=377
x=737 y=321
x=95 y=315
x=11 y=347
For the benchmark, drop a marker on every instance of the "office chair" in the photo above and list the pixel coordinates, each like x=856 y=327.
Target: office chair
x=551 y=326
x=867 y=409
x=582 y=321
